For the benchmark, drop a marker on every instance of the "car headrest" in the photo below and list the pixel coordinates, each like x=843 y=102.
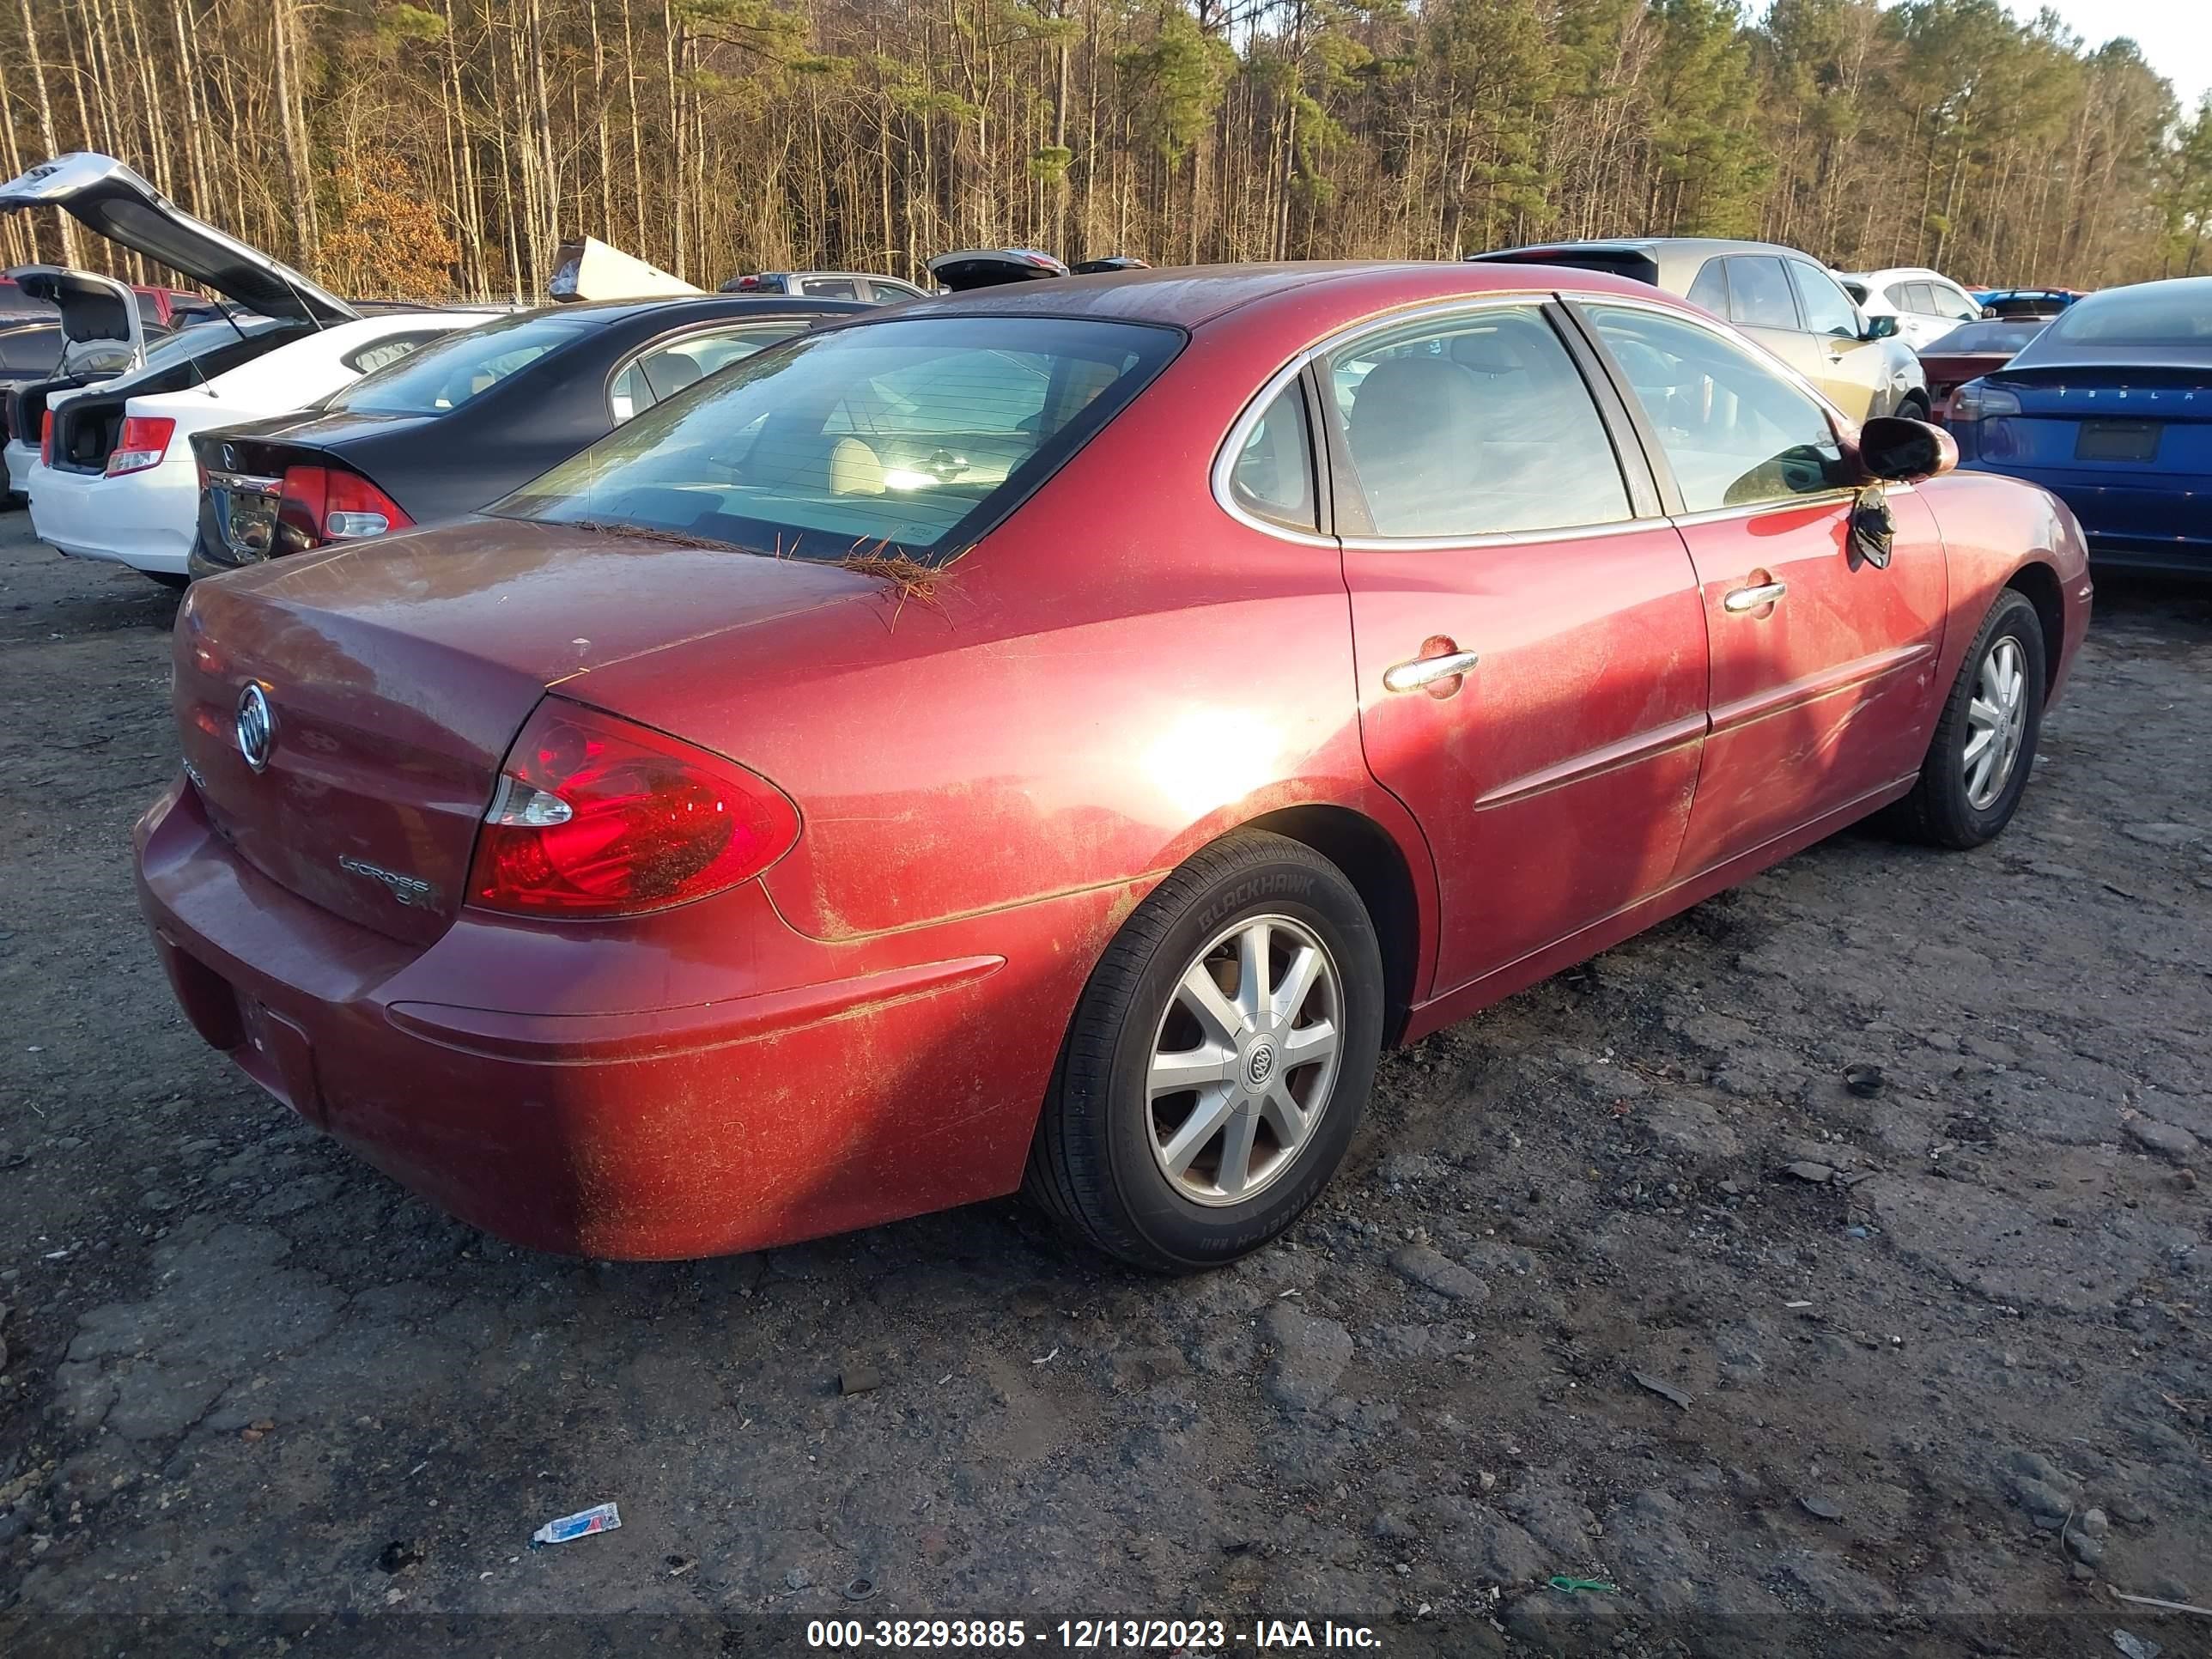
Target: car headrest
x=673 y=370
x=1412 y=404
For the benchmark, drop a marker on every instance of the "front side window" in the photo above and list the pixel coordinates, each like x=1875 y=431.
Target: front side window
x=1475 y=425
x=1827 y=309
x=448 y=372
x=913 y=435
x=1273 y=476
x=1758 y=293
x=1735 y=430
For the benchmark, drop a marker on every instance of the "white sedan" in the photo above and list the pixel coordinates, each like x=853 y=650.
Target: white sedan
x=122 y=485
x=1927 y=304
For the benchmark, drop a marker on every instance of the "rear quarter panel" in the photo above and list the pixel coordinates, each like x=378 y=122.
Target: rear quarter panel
x=1117 y=675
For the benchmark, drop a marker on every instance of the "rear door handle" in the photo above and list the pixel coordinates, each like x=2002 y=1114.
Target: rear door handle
x=1739 y=601
x=1427 y=670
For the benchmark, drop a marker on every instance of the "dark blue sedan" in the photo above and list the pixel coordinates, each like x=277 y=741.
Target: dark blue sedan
x=2111 y=408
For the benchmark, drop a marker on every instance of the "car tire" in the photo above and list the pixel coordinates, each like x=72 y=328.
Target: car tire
x=1113 y=1126
x=1912 y=407
x=1947 y=808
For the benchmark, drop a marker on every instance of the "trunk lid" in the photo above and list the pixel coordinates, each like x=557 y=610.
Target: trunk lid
x=96 y=310
x=1945 y=373
x=396 y=674
x=243 y=468
x=110 y=198
x=99 y=316
x=2124 y=420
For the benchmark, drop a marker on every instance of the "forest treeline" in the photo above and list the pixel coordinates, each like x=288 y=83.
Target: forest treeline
x=429 y=148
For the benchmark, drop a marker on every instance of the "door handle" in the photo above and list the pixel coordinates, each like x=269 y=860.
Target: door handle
x=1425 y=672
x=1743 y=600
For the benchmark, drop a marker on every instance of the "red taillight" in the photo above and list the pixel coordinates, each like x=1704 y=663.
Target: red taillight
x=144 y=442
x=597 y=817
x=46 y=437
x=321 y=504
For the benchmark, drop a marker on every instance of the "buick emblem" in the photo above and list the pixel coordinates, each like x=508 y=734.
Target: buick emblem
x=1260 y=1065
x=256 y=726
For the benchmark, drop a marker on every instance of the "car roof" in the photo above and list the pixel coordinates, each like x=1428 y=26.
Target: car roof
x=1191 y=297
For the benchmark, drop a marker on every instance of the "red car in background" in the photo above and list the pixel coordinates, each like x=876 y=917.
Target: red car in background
x=162 y=307
x=1056 y=736
x=1969 y=351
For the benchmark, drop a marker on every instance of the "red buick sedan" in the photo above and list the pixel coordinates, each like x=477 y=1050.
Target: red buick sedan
x=1056 y=737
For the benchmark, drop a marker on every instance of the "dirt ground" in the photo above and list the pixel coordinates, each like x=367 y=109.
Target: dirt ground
x=1946 y=1395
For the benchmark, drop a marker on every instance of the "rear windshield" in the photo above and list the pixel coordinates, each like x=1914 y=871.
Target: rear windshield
x=1983 y=339
x=446 y=374
x=2157 y=313
x=911 y=435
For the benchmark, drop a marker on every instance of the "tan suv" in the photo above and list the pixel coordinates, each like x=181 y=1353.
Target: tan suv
x=1785 y=299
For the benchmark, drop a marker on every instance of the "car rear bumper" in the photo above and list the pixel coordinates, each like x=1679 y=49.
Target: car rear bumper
x=143 y=519
x=829 y=1087
x=20 y=458
x=2160 y=525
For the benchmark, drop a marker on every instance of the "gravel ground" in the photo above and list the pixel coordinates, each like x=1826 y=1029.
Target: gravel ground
x=1930 y=1367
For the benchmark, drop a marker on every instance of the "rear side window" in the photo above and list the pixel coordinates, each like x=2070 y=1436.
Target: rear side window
x=913 y=435
x=377 y=354
x=1758 y=293
x=831 y=288
x=1710 y=289
x=1273 y=476
x=455 y=368
x=1477 y=425
x=1827 y=311
x=667 y=368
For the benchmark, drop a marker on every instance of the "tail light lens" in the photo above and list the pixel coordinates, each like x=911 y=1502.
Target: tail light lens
x=144 y=442
x=46 y=438
x=320 y=504
x=1974 y=404
x=1976 y=400
x=597 y=817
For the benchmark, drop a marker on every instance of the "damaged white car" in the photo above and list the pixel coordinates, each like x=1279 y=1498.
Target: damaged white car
x=113 y=475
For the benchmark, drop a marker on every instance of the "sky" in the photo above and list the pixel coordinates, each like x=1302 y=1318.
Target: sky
x=2175 y=35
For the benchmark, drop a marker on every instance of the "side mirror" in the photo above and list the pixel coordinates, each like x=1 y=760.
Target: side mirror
x=1893 y=450
x=1883 y=327
x=1988 y=314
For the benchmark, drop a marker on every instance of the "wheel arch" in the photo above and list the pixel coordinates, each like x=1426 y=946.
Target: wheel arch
x=1377 y=866
x=2038 y=583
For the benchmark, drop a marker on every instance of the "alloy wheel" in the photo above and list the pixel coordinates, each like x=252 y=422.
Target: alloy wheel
x=1245 y=1060
x=1997 y=722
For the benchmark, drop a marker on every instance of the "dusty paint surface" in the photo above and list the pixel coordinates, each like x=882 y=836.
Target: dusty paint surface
x=1583 y=1182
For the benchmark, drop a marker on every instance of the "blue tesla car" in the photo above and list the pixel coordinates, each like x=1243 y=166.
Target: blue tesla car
x=2110 y=408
